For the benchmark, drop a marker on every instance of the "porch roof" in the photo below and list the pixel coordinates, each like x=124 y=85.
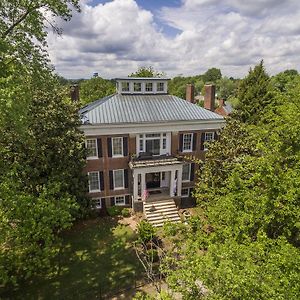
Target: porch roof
x=155 y=162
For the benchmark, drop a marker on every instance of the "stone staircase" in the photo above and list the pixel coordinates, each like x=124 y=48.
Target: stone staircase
x=158 y=212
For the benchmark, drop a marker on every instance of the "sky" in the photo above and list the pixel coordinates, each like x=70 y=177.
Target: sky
x=178 y=37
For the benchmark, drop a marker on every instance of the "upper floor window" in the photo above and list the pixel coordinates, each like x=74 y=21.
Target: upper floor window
x=186 y=172
x=149 y=87
x=117 y=146
x=91 y=146
x=137 y=87
x=94 y=181
x=118 y=179
x=160 y=86
x=187 y=143
x=209 y=136
x=125 y=86
x=154 y=143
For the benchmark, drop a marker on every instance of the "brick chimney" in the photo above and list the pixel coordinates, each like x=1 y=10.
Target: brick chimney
x=190 y=93
x=74 y=92
x=221 y=102
x=209 y=97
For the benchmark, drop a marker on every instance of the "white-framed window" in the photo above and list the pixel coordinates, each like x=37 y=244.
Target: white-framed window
x=94 y=182
x=96 y=203
x=186 y=172
x=91 y=146
x=120 y=200
x=118 y=179
x=125 y=86
x=155 y=143
x=187 y=142
x=149 y=86
x=185 y=192
x=117 y=146
x=137 y=86
x=160 y=87
x=209 y=136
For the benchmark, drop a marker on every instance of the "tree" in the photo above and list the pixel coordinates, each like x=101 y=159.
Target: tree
x=212 y=75
x=254 y=95
x=95 y=88
x=147 y=72
x=226 y=88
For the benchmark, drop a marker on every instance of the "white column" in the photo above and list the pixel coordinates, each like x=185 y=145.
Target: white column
x=179 y=181
x=143 y=182
x=172 y=182
x=135 y=185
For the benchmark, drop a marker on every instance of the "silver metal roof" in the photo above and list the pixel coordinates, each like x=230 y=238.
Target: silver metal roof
x=143 y=78
x=120 y=108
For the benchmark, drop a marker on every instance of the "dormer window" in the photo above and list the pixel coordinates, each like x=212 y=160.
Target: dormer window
x=137 y=87
x=125 y=86
x=149 y=87
x=160 y=87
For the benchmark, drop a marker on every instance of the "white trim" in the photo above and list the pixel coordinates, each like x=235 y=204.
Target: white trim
x=141 y=128
x=112 y=147
x=191 y=145
x=120 y=204
x=213 y=136
x=98 y=190
x=185 y=195
x=96 y=206
x=122 y=187
x=96 y=144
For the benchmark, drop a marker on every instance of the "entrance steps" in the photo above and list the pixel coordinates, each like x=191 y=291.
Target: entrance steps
x=158 y=212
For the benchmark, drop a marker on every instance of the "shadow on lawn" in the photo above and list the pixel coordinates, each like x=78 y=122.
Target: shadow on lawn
x=96 y=259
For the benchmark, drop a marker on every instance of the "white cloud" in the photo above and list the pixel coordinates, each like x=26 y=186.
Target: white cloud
x=117 y=37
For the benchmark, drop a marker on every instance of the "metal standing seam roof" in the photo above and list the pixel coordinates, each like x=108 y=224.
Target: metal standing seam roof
x=120 y=108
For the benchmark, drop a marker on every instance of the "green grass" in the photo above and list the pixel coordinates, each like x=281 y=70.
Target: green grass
x=96 y=255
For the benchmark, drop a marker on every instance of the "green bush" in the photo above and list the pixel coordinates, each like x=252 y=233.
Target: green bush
x=146 y=231
x=153 y=255
x=170 y=229
x=114 y=211
x=126 y=212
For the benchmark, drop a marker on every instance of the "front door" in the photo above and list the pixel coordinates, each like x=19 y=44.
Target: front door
x=152 y=180
x=164 y=179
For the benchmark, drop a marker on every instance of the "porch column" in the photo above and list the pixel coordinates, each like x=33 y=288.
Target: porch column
x=143 y=182
x=179 y=181
x=172 y=183
x=135 y=185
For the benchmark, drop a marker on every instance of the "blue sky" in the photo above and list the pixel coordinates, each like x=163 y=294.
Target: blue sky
x=186 y=37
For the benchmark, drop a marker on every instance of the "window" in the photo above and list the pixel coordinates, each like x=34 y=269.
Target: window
x=141 y=145
x=118 y=179
x=117 y=146
x=185 y=192
x=96 y=203
x=160 y=87
x=125 y=86
x=120 y=200
x=154 y=143
x=187 y=142
x=149 y=86
x=209 y=136
x=186 y=172
x=164 y=143
x=94 y=182
x=91 y=146
x=137 y=86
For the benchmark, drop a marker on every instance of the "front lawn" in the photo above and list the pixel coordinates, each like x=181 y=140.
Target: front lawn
x=96 y=258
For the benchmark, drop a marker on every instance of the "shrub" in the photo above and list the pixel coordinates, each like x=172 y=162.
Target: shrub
x=126 y=212
x=114 y=211
x=146 y=231
x=153 y=255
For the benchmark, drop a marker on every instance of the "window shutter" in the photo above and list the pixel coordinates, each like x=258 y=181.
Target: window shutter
x=126 y=178
x=109 y=148
x=99 y=145
x=103 y=205
x=180 y=142
x=202 y=140
x=125 y=146
x=111 y=180
x=112 y=201
x=127 y=200
x=216 y=136
x=101 y=177
x=192 y=175
x=194 y=141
